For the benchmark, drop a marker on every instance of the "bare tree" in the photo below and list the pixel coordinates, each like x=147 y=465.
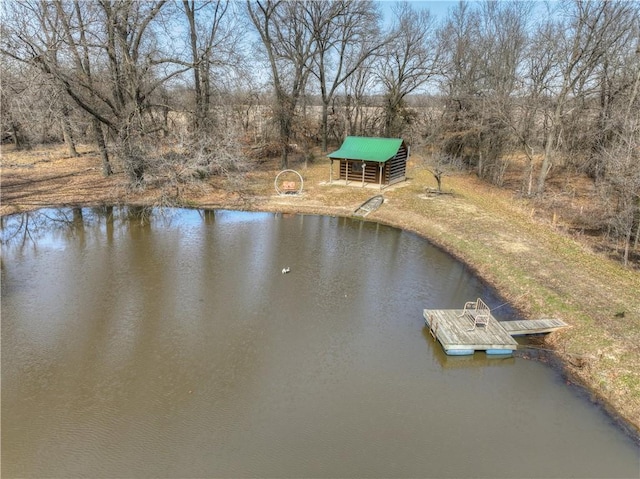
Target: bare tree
x=113 y=63
x=35 y=109
x=621 y=160
x=213 y=38
x=441 y=165
x=538 y=72
x=290 y=48
x=611 y=94
x=460 y=81
x=358 y=103
x=14 y=87
x=410 y=60
x=502 y=44
x=37 y=35
x=587 y=32
x=621 y=185
x=484 y=49
x=346 y=36
x=67 y=129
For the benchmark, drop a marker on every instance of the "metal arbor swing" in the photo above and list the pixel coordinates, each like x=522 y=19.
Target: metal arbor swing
x=286 y=186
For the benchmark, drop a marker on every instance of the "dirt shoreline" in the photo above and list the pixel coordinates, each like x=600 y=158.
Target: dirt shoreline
x=537 y=268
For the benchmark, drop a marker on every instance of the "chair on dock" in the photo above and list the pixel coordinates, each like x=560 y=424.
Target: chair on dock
x=478 y=311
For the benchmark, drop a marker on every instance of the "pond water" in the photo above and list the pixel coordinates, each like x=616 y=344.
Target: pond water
x=140 y=343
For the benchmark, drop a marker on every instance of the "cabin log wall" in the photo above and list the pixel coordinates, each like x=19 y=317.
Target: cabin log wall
x=395 y=169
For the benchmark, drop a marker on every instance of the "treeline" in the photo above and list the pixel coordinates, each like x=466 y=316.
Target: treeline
x=204 y=86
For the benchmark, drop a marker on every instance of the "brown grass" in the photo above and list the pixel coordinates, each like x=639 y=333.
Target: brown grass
x=513 y=244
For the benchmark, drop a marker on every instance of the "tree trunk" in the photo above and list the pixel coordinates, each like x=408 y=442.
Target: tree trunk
x=67 y=133
x=102 y=147
x=550 y=138
x=546 y=162
x=286 y=112
x=193 y=38
x=325 y=128
x=284 y=159
x=132 y=158
x=15 y=134
x=529 y=177
x=627 y=244
x=68 y=139
x=390 y=116
x=348 y=121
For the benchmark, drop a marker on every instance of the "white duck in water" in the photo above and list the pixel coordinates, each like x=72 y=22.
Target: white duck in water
x=286 y=270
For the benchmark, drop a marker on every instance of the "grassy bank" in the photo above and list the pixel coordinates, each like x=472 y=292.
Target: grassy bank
x=536 y=267
x=545 y=274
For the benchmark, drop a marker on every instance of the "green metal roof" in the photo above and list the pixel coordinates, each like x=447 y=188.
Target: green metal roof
x=369 y=149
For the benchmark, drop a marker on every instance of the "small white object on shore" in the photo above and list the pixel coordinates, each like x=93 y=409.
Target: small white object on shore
x=286 y=270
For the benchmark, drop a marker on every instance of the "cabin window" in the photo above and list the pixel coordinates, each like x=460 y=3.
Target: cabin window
x=356 y=167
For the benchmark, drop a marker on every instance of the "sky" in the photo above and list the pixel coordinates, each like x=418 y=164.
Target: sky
x=438 y=8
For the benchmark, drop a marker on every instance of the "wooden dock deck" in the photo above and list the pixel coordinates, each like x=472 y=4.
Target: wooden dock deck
x=454 y=329
x=458 y=336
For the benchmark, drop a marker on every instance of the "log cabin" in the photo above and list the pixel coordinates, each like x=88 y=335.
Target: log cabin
x=368 y=160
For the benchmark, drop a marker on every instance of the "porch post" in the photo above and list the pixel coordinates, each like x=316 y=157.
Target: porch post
x=331 y=171
x=364 y=166
x=381 y=168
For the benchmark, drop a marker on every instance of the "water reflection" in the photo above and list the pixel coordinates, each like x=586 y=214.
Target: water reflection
x=146 y=343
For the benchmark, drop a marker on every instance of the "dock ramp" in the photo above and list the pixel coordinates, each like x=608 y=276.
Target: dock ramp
x=532 y=326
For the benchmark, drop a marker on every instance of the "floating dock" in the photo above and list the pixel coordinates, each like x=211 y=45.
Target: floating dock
x=456 y=331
